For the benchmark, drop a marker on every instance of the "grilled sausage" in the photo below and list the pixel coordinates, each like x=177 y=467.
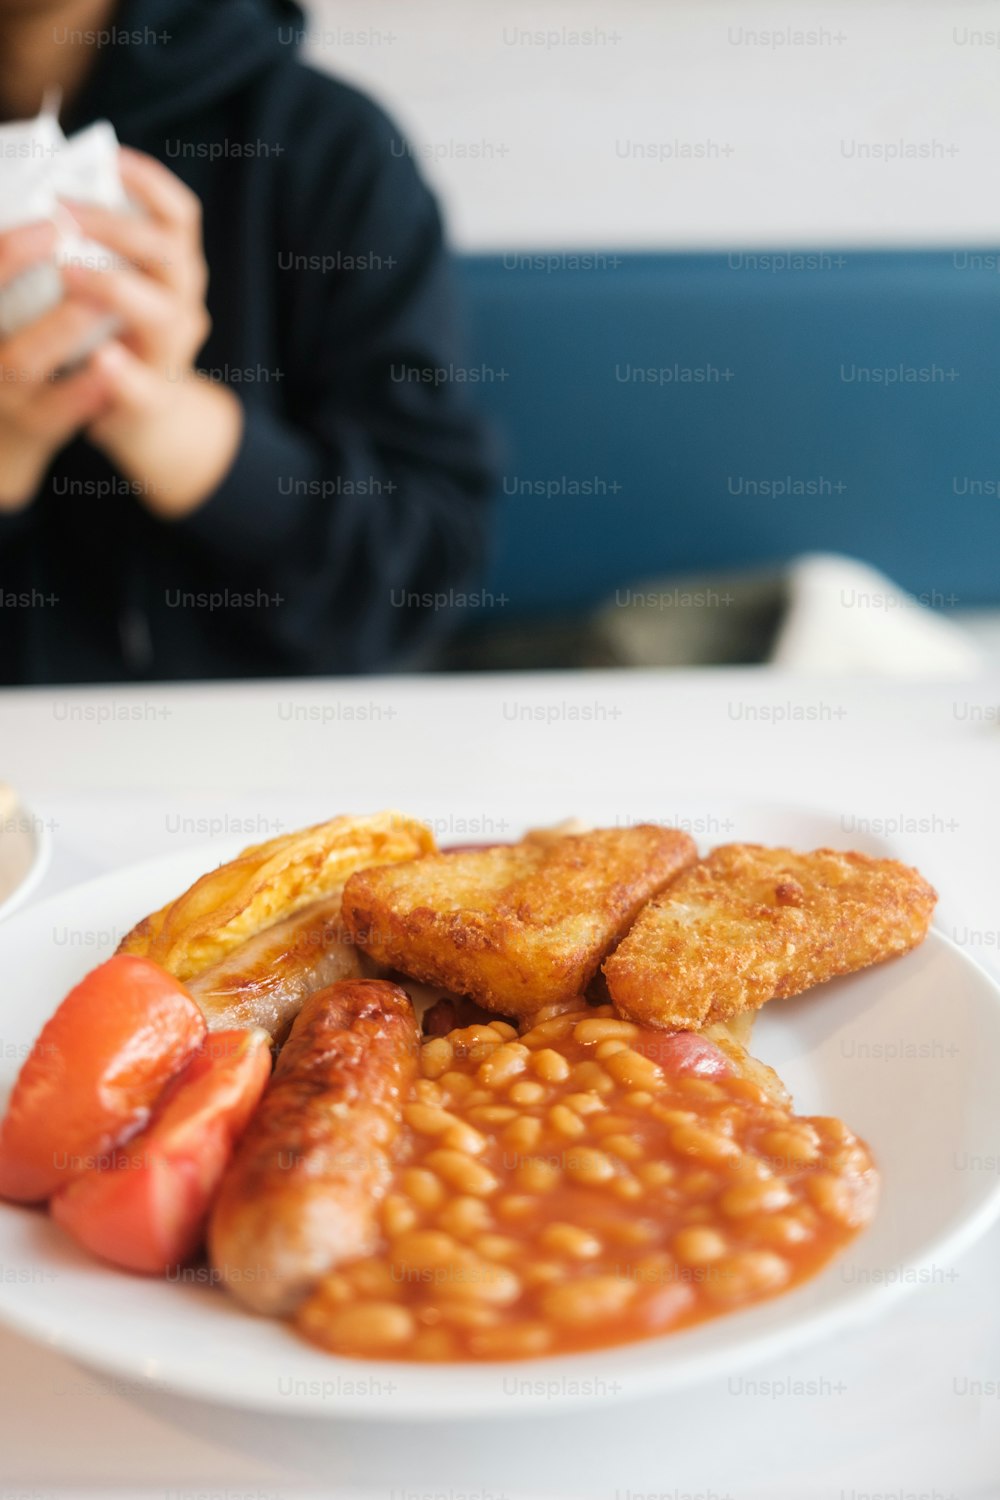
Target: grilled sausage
x=302 y=1192
x=265 y=980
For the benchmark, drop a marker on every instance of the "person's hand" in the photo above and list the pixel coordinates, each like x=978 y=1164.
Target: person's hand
x=38 y=413
x=164 y=425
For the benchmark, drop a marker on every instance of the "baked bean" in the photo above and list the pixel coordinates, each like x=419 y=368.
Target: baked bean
x=745 y=1090
x=587 y=1165
x=398 y=1214
x=464 y=1137
x=428 y=1092
x=537 y=1176
x=668 y=1116
x=372 y=1278
x=584 y=1104
x=848 y=1160
x=426 y=1190
x=476 y=1043
x=624 y=1146
x=638 y=1099
x=627 y=1188
x=633 y=1070
x=831 y=1132
x=336 y=1289
x=456 y=1085
x=749 y=1273
x=516 y=1206
x=695 y=1185
x=747 y=1168
x=610 y=1047
x=526 y=1091
x=463 y=1173
x=465 y=1217
x=470 y=1036
x=569 y=1239
x=665 y=1307
x=523 y=1133
x=504 y=1029
x=566 y=1121
x=703 y=1145
x=436 y=1057
x=782 y=1231
x=656 y=1173
x=792 y=1149
x=729 y=1119
x=496 y=1246
x=697 y=1246
x=503 y=1065
x=549 y=1065
x=550 y=1031
x=834 y=1198
x=492 y=1114
x=481 y=1281
x=591 y=1299
x=754 y=1198
x=589 y=1032
x=511 y=1341
x=428 y=1119
x=559 y=1009
x=590 y=1077
x=423 y=1249
x=365 y=1327
x=700 y=1088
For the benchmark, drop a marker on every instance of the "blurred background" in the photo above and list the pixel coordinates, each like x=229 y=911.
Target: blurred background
x=731 y=276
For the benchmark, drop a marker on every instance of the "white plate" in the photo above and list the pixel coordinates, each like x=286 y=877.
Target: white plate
x=908 y=1054
x=25 y=851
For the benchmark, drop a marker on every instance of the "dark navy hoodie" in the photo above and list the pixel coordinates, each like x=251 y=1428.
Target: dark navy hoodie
x=359 y=492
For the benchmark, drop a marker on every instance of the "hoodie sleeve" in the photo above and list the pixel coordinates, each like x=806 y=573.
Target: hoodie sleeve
x=361 y=504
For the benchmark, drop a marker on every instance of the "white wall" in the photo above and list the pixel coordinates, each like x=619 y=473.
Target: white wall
x=554 y=121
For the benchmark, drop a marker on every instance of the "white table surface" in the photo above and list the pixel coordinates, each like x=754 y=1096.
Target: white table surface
x=121 y=775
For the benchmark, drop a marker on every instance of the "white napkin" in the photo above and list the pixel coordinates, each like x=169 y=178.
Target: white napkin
x=844 y=617
x=38 y=166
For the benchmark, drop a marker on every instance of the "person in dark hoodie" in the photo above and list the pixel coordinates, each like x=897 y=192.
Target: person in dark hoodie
x=270 y=469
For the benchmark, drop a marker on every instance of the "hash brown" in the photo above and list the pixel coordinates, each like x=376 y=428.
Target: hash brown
x=751 y=924
x=516 y=926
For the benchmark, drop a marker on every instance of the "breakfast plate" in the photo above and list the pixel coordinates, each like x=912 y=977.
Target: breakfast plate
x=907 y=1051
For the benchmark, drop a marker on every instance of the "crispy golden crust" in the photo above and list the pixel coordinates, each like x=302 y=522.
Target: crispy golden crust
x=750 y=924
x=518 y=926
x=268 y=882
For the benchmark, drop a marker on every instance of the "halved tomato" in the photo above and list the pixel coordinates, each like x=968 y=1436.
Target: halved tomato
x=94 y=1074
x=146 y=1211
